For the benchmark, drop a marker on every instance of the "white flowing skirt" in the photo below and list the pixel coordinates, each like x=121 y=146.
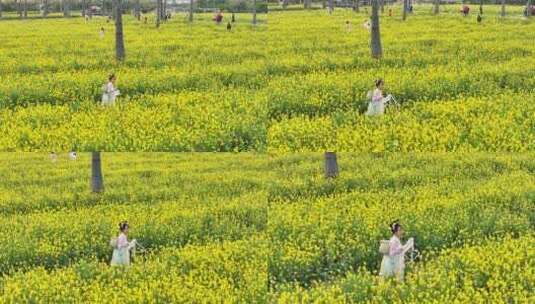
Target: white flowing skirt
x=392 y=267
x=120 y=257
x=376 y=108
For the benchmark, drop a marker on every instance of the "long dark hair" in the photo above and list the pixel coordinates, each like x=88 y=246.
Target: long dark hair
x=111 y=77
x=123 y=226
x=395 y=226
x=378 y=82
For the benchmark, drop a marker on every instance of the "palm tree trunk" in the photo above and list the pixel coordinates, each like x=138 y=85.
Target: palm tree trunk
x=45 y=8
x=137 y=12
x=503 y=8
x=97 y=182
x=377 y=49
x=254 y=12
x=158 y=10
x=119 y=39
x=404 y=10
x=190 y=10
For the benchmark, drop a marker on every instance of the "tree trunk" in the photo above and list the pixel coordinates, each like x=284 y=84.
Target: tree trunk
x=503 y=8
x=528 y=8
x=404 y=10
x=137 y=10
x=481 y=7
x=19 y=8
x=97 y=182
x=356 y=6
x=254 y=12
x=377 y=49
x=331 y=165
x=190 y=10
x=66 y=8
x=164 y=10
x=306 y=4
x=83 y=8
x=331 y=6
x=158 y=10
x=382 y=6
x=436 y=7
x=45 y=8
x=0 y=8
x=119 y=39
x=25 y=9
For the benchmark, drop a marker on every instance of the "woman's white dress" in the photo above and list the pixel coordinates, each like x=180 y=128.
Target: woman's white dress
x=121 y=252
x=109 y=95
x=377 y=104
x=393 y=263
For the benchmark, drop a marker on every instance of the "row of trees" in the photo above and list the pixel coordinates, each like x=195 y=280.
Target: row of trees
x=376 y=46
x=22 y=7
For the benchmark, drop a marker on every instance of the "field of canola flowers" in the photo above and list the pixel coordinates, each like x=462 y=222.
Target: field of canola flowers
x=472 y=217
x=202 y=217
x=464 y=86
x=184 y=87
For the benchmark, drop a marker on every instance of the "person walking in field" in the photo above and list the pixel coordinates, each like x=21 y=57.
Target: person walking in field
x=393 y=263
x=109 y=91
x=121 y=247
x=101 y=33
x=377 y=102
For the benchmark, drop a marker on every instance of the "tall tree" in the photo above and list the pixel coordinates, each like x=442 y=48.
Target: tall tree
x=97 y=181
x=254 y=12
x=377 y=49
x=306 y=4
x=45 y=8
x=382 y=6
x=0 y=8
x=19 y=8
x=356 y=6
x=528 y=8
x=158 y=12
x=190 y=10
x=84 y=8
x=331 y=6
x=405 y=5
x=436 y=7
x=137 y=10
x=119 y=39
x=25 y=9
x=66 y=8
x=503 y=8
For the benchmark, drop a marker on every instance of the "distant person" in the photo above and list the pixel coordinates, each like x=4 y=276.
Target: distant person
x=393 y=263
x=53 y=156
x=218 y=17
x=389 y=12
x=465 y=10
x=411 y=9
x=367 y=25
x=109 y=91
x=348 y=26
x=377 y=102
x=233 y=18
x=229 y=27
x=101 y=34
x=73 y=155
x=121 y=247
x=479 y=18
x=145 y=19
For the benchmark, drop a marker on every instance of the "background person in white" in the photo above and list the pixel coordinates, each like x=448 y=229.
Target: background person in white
x=110 y=92
x=393 y=263
x=121 y=247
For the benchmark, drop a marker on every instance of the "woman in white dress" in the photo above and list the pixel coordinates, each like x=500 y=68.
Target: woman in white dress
x=377 y=102
x=121 y=247
x=110 y=92
x=393 y=263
